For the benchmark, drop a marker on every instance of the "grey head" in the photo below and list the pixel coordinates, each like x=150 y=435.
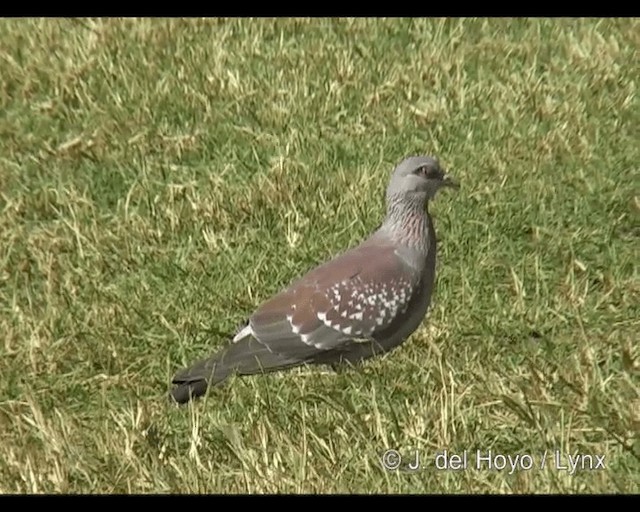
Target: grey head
x=417 y=179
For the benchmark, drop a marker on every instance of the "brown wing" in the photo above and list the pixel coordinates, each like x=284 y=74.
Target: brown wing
x=352 y=297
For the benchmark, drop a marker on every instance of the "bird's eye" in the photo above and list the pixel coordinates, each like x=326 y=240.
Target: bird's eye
x=427 y=171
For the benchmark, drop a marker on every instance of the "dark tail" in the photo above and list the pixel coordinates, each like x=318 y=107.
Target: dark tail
x=246 y=357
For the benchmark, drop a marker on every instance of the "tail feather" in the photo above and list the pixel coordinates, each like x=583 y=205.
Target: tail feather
x=246 y=357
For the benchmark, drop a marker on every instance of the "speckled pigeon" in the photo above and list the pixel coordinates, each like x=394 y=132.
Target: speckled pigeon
x=364 y=302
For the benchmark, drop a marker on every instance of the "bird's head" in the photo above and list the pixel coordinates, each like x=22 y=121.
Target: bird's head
x=418 y=178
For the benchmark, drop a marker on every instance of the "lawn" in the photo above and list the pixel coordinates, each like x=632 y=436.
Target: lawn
x=160 y=178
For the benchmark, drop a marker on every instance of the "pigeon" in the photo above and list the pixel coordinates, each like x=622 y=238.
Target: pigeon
x=363 y=303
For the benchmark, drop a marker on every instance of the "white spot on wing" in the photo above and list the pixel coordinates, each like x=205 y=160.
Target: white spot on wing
x=294 y=328
x=244 y=333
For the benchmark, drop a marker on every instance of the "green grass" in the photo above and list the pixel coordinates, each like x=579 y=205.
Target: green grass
x=160 y=178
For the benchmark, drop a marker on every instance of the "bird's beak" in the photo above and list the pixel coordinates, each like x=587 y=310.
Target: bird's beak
x=448 y=181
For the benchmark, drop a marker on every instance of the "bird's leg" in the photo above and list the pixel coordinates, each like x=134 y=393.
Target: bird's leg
x=342 y=367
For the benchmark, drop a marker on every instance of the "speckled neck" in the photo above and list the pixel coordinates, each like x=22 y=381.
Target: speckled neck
x=407 y=222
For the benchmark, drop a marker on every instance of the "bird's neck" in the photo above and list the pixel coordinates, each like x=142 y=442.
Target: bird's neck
x=407 y=222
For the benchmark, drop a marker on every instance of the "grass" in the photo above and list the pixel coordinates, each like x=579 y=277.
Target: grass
x=160 y=178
